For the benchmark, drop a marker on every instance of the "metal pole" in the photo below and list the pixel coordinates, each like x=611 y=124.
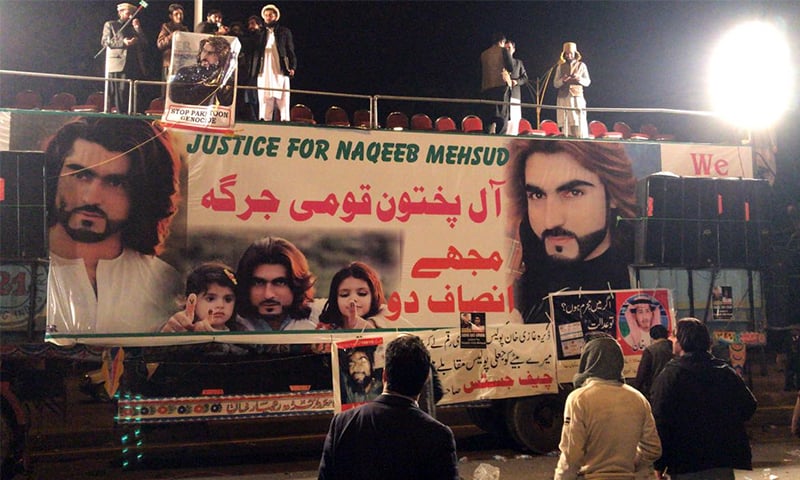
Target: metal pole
x=198 y=14
x=105 y=84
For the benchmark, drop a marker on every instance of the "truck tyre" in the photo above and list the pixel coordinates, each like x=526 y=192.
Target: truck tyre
x=534 y=423
x=488 y=419
x=8 y=444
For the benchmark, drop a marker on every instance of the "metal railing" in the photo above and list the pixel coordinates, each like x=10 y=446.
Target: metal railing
x=377 y=103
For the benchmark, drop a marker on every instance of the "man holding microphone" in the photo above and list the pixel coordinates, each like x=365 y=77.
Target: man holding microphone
x=124 y=42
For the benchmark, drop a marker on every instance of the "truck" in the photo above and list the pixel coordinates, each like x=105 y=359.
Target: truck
x=431 y=211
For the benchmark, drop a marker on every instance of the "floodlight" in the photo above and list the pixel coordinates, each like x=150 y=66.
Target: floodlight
x=751 y=77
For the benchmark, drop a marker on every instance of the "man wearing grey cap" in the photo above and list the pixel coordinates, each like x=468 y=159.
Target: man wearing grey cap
x=124 y=43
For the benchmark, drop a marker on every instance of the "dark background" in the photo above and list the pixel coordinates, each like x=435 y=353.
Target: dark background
x=640 y=54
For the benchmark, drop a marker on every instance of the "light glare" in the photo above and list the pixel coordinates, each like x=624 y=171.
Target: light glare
x=751 y=79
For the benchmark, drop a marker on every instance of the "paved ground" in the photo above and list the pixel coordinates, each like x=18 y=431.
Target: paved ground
x=774 y=461
x=54 y=431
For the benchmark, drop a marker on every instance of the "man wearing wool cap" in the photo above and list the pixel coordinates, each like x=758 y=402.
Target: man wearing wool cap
x=570 y=78
x=609 y=430
x=273 y=64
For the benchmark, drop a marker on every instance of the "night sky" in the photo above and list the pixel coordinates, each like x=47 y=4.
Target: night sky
x=639 y=53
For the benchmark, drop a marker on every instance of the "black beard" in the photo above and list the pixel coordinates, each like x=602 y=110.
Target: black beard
x=360 y=385
x=586 y=244
x=86 y=236
x=271 y=24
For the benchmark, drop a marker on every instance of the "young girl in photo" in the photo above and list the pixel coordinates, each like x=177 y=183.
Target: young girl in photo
x=210 y=292
x=210 y=301
x=355 y=301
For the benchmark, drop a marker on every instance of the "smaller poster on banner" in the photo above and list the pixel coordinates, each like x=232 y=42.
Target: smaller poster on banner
x=201 y=92
x=579 y=314
x=516 y=361
x=357 y=367
x=626 y=315
x=639 y=311
x=722 y=302
x=473 y=329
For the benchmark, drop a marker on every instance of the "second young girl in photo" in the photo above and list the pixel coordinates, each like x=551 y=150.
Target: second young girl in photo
x=356 y=300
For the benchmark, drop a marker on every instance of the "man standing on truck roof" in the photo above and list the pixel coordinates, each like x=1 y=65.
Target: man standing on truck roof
x=273 y=65
x=567 y=198
x=125 y=58
x=570 y=78
x=112 y=190
x=494 y=61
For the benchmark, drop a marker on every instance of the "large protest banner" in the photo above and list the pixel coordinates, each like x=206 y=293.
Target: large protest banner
x=429 y=212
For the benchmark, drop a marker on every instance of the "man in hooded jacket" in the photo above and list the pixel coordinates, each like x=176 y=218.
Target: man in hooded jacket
x=609 y=431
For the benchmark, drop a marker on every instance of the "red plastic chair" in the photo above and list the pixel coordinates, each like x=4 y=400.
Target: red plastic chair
x=27 y=99
x=623 y=128
x=421 y=121
x=525 y=128
x=472 y=124
x=550 y=128
x=362 y=119
x=445 y=124
x=652 y=132
x=94 y=103
x=156 y=107
x=598 y=129
x=61 y=101
x=336 y=117
x=302 y=114
x=397 y=121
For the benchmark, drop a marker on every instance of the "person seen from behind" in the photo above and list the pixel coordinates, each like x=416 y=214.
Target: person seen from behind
x=609 y=431
x=391 y=438
x=700 y=405
x=654 y=358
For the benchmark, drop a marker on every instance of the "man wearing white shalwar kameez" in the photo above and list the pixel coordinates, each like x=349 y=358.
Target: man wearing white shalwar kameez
x=275 y=65
x=570 y=79
x=271 y=77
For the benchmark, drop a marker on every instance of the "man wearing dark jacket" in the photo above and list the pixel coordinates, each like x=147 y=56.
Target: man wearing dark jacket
x=514 y=78
x=700 y=405
x=273 y=64
x=391 y=438
x=494 y=61
x=654 y=357
x=213 y=24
